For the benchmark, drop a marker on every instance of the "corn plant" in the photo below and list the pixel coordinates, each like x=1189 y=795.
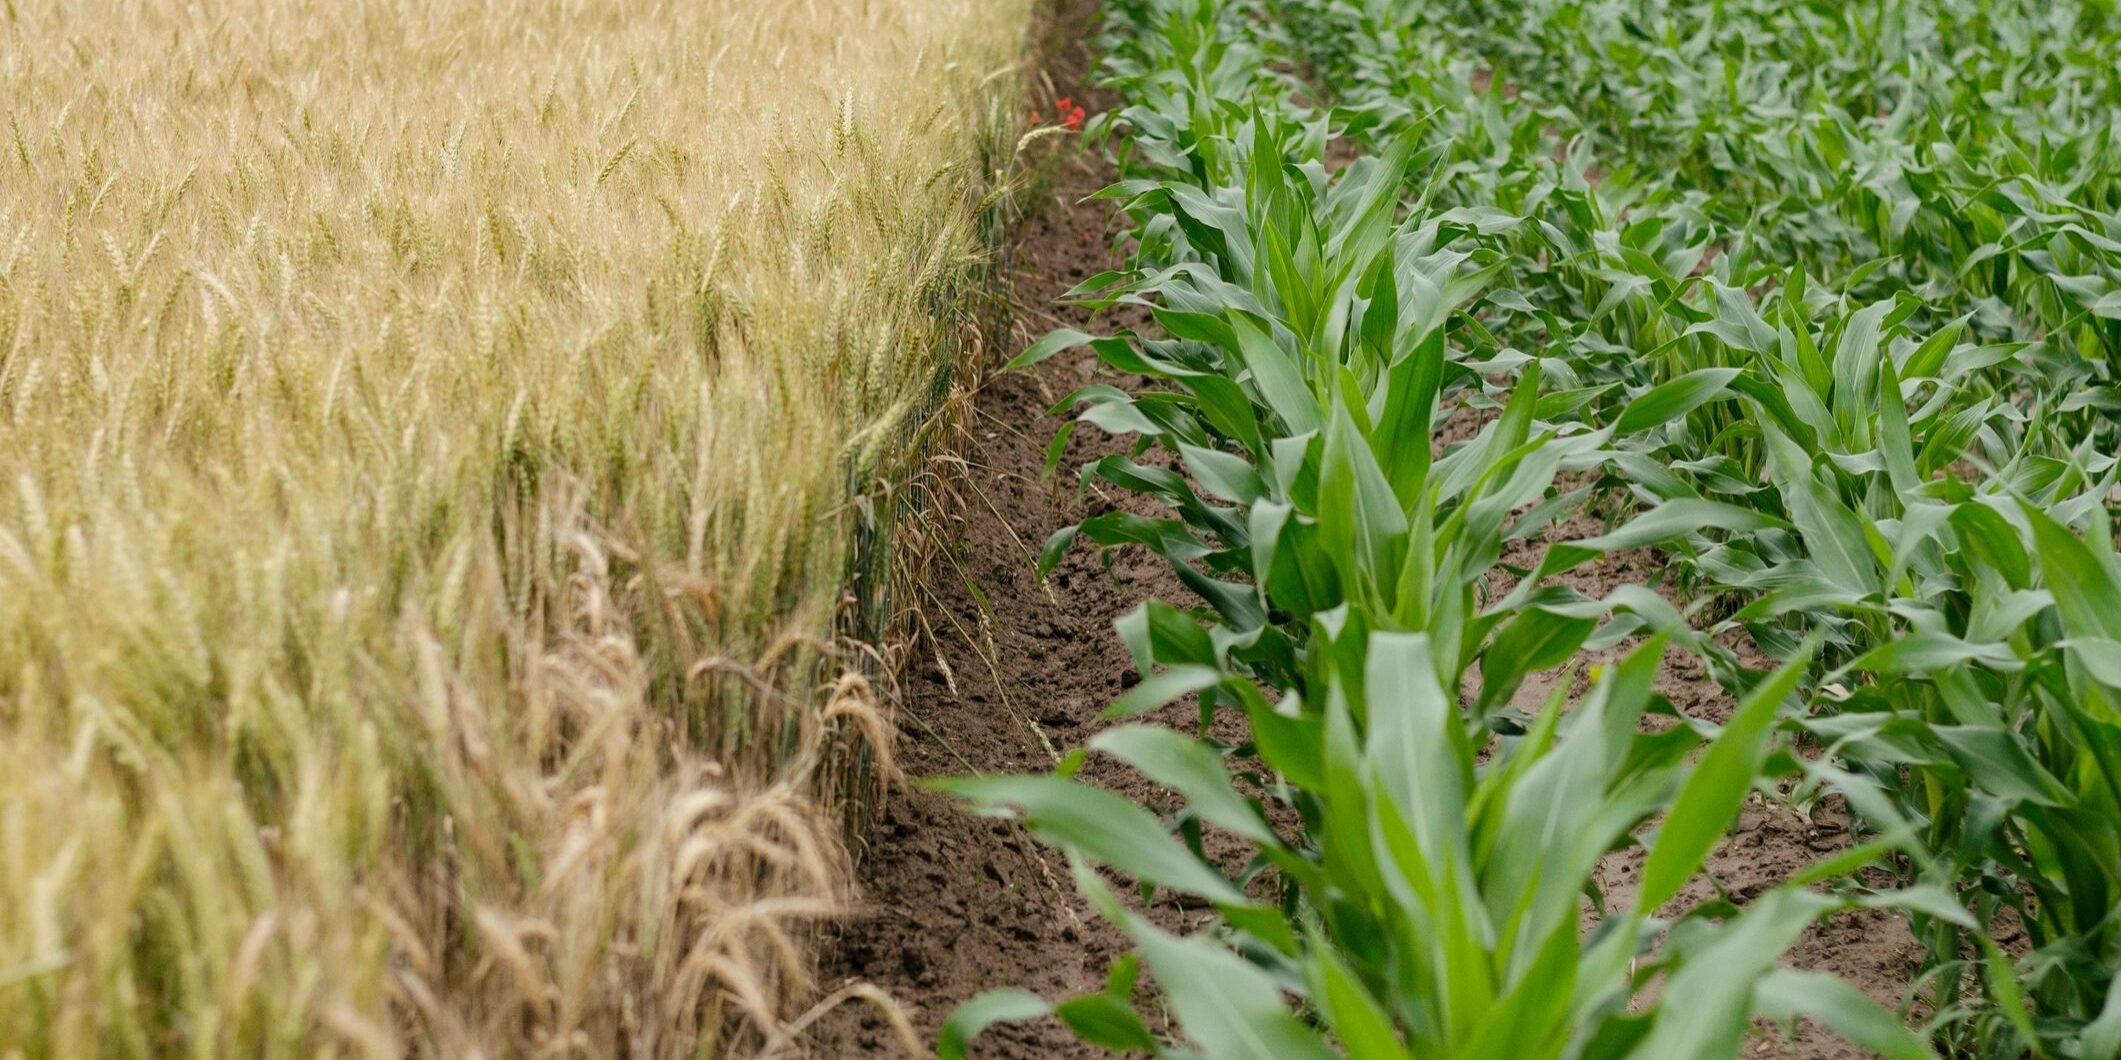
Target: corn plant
x=1954 y=641
x=1998 y=706
x=1433 y=904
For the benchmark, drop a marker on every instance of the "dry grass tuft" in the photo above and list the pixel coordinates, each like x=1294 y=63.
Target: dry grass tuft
x=433 y=444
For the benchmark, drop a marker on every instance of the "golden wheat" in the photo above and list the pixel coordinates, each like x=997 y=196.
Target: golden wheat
x=427 y=437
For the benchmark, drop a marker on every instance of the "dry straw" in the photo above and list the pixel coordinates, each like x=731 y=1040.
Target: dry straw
x=429 y=438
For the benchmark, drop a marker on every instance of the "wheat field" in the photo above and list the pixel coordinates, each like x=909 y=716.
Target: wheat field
x=435 y=436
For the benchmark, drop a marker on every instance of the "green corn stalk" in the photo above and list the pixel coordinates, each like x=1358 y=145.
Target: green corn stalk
x=1433 y=904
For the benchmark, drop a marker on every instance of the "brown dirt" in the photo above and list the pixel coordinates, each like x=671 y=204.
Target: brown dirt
x=1013 y=676
x=1016 y=673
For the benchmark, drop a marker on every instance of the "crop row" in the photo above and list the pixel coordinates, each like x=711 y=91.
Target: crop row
x=1832 y=330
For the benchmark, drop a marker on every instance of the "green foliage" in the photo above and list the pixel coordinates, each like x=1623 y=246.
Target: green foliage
x=1832 y=330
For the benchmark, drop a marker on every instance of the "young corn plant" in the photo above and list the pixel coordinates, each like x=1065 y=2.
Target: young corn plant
x=1997 y=706
x=1966 y=629
x=1305 y=372
x=1433 y=903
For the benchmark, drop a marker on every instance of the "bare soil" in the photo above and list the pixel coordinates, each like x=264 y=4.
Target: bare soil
x=1014 y=676
x=1016 y=673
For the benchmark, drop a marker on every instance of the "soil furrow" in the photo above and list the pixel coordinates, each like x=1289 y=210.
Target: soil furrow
x=1015 y=671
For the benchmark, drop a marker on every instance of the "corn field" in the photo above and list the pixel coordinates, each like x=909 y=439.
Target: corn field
x=1815 y=306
